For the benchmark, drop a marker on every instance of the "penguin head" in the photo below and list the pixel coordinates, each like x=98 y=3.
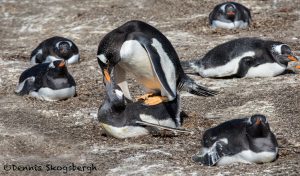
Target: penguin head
x=282 y=53
x=107 y=63
x=230 y=11
x=257 y=126
x=115 y=96
x=57 y=68
x=64 y=48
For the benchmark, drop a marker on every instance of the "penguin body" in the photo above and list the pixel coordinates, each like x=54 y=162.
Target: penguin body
x=122 y=118
x=245 y=57
x=55 y=48
x=247 y=140
x=230 y=15
x=142 y=50
x=47 y=81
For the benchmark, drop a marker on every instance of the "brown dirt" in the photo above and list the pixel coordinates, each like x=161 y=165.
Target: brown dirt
x=33 y=132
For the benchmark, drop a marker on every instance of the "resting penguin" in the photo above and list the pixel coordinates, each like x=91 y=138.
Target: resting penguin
x=122 y=118
x=230 y=15
x=47 y=81
x=140 y=49
x=55 y=48
x=247 y=140
x=245 y=57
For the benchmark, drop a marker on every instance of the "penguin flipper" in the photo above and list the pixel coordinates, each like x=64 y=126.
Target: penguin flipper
x=156 y=59
x=25 y=87
x=180 y=130
x=210 y=157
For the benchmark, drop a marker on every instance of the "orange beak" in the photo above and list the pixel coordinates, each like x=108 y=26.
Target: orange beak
x=61 y=64
x=106 y=75
x=258 y=122
x=292 y=58
x=298 y=66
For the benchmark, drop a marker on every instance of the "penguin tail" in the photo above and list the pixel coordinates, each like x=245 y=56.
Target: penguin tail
x=189 y=67
x=192 y=87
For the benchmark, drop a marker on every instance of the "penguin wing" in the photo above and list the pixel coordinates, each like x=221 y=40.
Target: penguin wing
x=165 y=73
x=26 y=86
x=175 y=130
x=212 y=156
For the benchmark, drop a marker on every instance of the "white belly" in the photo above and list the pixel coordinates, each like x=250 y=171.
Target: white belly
x=235 y=24
x=124 y=132
x=248 y=156
x=53 y=95
x=134 y=57
x=228 y=69
x=266 y=70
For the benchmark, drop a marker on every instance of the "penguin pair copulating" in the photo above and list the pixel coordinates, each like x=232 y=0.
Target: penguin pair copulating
x=122 y=118
x=47 y=81
x=246 y=140
x=139 y=48
x=230 y=15
x=55 y=48
x=245 y=57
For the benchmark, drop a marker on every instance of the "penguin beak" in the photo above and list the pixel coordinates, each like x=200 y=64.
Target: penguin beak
x=230 y=13
x=106 y=75
x=258 y=121
x=292 y=58
x=62 y=64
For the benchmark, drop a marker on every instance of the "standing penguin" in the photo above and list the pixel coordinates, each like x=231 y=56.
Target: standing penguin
x=140 y=49
x=55 y=48
x=47 y=81
x=122 y=118
x=230 y=15
x=245 y=57
x=247 y=140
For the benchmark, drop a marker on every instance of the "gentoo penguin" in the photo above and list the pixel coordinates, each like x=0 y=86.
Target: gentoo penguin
x=246 y=140
x=55 y=48
x=245 y=57
x=140 y=49
x=47 y=81
x=230 y=15
x=122 y=118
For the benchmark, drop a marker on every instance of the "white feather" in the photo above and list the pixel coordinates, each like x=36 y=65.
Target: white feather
x=21 y=85
x=48 y=94
x=228 y=69
x=266 y=70
x=124 y=132
x=102 y=58
x=33 y=58
x=73 y=59
x=229 y=25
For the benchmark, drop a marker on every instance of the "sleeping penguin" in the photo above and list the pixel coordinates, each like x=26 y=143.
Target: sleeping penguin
x=122 y=118
x=245 y=57
x=247 y=140
x=55 y=48
x=230 y=15
x=142 y=50
x=47 y=81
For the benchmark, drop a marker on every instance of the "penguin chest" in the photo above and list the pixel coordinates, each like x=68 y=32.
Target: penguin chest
x=135 y=60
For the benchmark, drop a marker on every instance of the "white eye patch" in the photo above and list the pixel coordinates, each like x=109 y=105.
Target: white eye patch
x=102 y=58
x=119 y=94
x=277 y=48
x=57 y=44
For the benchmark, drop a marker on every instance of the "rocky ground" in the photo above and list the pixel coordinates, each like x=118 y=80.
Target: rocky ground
x=37 y=133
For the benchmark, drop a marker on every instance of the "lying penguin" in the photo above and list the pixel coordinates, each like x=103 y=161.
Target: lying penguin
x=247 y=140
x=230 y=15
x=55 y=48
x=47 y=81
x=245 y=57
x=122 y=118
